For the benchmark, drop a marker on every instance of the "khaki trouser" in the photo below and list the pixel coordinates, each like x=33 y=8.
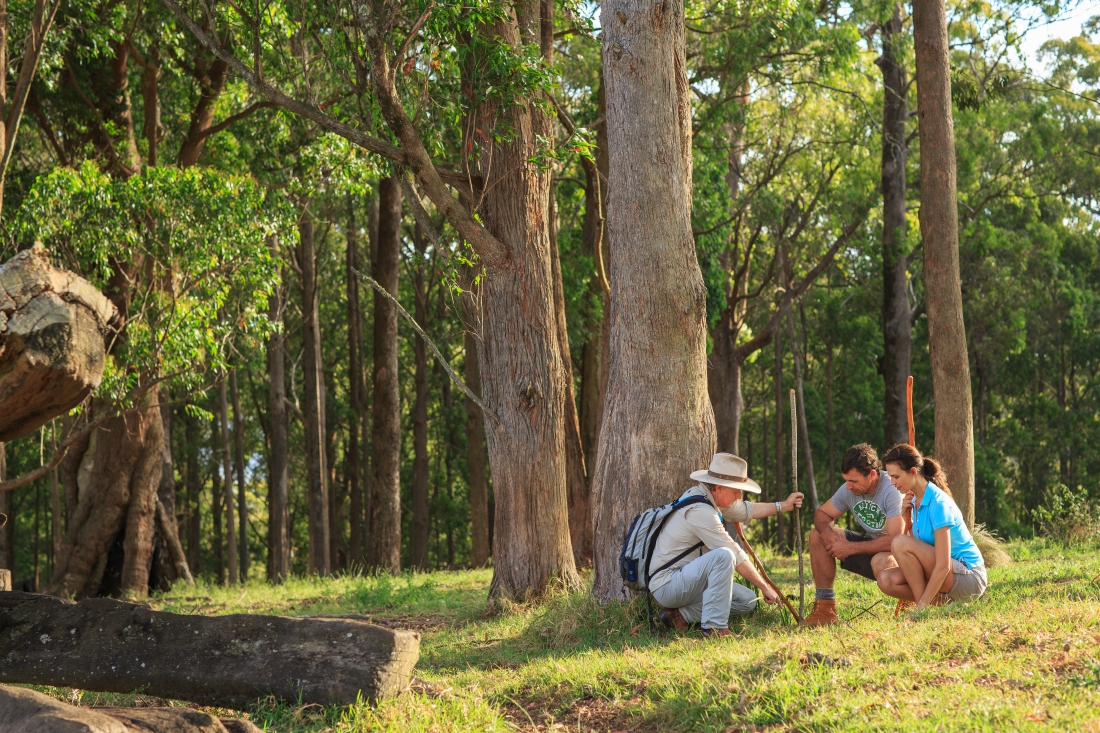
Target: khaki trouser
x=704 y=591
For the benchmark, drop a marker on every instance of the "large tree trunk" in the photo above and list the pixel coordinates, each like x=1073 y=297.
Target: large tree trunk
x=278 y=479
x=227 y=661
x=384 y=549
x=475 y=461
x=52 y=325
x=123 y=466
x=658 y=422
x=313 y=385
x=238 y=466
x=418 y=539
x=522 y=378
x=355 y=392
x=576 y=479
x=896 y=315
x=939 y=225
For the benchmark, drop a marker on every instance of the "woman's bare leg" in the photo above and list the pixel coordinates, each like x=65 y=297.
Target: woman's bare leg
x=917 y=560
x=891 y=581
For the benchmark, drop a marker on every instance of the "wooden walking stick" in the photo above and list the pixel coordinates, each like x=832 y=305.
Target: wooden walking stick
x=797 y=518
x=908 y=518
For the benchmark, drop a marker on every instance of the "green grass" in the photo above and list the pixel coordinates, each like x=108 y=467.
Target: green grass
x=1025 y=657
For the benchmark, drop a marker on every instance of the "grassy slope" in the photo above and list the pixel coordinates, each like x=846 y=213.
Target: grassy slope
x=1026 y=657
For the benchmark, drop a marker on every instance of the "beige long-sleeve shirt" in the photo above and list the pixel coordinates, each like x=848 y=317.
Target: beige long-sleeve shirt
x=697 y=523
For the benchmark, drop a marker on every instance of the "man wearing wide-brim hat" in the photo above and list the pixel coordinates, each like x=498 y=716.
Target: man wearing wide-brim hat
x=700 y=587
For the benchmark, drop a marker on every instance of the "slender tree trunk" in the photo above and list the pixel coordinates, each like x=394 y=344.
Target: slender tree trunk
x=57 y=530
x=313 y=385
x=355 y=395
x=591 y=398
x=238 y=461
x=777 y=382
x=384 y=547
x=216 y=503
x=658 y=421
x=576 y=480
x=227 y=480
x=896 y=314
x=475 y=461
x=418 y=541
x=194 y=493
x=166 y=492
x=522 y=376
x=278 y=519
x=939 y=224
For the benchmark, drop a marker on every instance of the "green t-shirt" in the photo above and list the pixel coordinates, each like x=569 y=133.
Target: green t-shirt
x=870 y=510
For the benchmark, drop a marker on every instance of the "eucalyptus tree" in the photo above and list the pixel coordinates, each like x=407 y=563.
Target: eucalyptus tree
x=939 y=223
x=401 y=68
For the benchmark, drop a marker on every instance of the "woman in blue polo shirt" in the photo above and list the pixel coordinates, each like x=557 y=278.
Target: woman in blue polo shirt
x=940 y=560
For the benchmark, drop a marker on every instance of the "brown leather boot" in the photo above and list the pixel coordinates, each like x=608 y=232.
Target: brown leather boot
x=672 y=619
x=824 y=614
x=715 y=633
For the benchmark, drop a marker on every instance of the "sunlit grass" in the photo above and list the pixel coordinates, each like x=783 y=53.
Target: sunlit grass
x=1025 y=657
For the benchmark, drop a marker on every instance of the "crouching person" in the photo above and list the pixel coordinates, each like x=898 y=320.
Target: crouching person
x=698 y=584
x=867 y=493
x=940 y=562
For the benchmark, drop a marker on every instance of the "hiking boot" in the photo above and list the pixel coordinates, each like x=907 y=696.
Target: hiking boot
x=824 y=614
x=672 y=619
x=714 y=633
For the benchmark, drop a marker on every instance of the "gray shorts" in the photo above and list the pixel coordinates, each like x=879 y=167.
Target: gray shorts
x=970 y=583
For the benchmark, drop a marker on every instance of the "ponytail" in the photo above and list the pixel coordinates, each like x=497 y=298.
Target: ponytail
x=933 y=471
x=909 y=457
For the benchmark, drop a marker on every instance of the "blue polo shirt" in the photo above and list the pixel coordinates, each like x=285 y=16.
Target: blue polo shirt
x=938 y=510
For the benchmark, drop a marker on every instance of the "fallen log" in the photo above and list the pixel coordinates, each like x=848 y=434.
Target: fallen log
x=106 y=645
x=23 y=710
x=52 y=325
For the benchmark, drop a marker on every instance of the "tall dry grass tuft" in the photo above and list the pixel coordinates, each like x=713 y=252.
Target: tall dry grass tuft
x=991 y=546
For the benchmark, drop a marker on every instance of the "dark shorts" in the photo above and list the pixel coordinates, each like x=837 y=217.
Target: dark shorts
x=858 y=564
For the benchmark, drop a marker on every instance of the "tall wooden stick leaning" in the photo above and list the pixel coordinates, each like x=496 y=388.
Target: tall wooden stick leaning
x=913 y=442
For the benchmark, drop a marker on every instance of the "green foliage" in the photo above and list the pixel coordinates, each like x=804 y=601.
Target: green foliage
x=1069 y=517
x=185 y=253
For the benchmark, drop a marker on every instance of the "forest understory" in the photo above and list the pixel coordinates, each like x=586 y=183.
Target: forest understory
x=1025 y=657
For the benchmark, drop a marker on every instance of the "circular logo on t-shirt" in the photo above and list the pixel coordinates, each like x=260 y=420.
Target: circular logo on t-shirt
x=870 y=514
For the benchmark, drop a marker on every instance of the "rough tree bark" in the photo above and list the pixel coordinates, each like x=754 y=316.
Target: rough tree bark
x=658 y=422
x=897 y=316
x=228 y=661
x=52 y=326
x=939 y=225
x=278 y=518
x=314 y=388
x=122 y=466
x=355 y=391
x=418 y=536
x=522 y=377
x=384 y=550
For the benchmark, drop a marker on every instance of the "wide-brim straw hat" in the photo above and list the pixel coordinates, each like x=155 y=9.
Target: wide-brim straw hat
x=729 y=470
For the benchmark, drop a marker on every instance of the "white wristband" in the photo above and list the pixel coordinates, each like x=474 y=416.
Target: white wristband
x=778 y=507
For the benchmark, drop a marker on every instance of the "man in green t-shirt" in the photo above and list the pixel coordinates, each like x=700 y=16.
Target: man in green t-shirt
x=876 y=505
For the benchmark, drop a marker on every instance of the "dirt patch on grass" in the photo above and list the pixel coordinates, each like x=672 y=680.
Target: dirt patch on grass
x=587 y=714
